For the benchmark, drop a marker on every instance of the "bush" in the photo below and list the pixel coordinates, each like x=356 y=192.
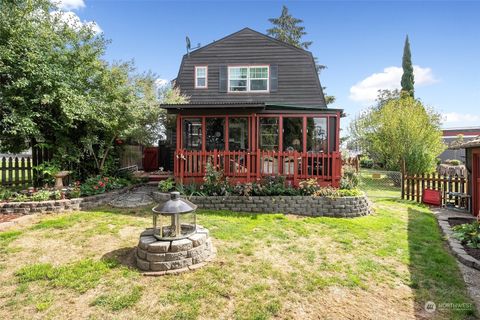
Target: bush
x=308 y=187
x=349 y=178
x=366 y=162
x=41 y=195
x=337 y=193
x=453 y=162
x=215 y=184
x=99 y=184
x=5 y=194
x=166 y=185
x=468 y=234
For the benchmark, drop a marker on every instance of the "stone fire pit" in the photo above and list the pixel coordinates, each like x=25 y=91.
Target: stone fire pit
x=175 y=243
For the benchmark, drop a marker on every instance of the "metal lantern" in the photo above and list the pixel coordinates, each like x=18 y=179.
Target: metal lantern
x=176 y=218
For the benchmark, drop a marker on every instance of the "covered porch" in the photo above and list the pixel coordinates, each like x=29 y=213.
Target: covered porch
x=251 y=142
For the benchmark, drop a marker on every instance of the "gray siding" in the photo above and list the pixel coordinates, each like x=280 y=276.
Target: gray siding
x=298 y=81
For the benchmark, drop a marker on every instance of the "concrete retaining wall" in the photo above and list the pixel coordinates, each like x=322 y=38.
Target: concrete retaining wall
x=299 y=205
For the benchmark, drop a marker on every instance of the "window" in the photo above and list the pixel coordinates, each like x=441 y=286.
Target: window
x=317 y=134
x=268 y=134
x=237 y=134
x=215 y=134
x=248 y=79
x=201 y=76
x=192 y=134
x=292 y=134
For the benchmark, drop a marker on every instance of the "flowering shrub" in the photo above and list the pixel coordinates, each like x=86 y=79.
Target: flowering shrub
x=99 y=184
x=349 y=178
x=214 y=182
x=308 y=187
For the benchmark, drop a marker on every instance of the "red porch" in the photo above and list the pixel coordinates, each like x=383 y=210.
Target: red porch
x=250 y=146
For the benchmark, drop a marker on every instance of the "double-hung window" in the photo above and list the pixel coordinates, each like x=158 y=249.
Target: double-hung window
x=201 y=77
x=248 y=79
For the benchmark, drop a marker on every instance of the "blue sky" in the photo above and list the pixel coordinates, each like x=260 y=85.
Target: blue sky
x=360 y=42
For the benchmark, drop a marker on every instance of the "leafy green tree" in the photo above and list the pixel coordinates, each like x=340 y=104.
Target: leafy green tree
x=57 y=92
x=288 y=29
x=412 y=137
x=46 y=68
x=407 y=77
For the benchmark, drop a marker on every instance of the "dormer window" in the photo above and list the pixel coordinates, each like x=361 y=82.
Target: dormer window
x=248 y=79
x=201 y=77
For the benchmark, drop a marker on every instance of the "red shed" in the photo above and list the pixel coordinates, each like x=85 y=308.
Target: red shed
x=472 y=162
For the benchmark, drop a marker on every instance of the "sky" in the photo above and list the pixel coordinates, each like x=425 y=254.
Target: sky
x=360 y=42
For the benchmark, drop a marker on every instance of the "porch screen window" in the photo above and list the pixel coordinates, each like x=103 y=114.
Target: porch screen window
x=201 y=77
x=237 y=134
x=192 y=134
x=292 y=134
x=268 y=134
x=248 y=79
x=215 y=134
x=317 y=134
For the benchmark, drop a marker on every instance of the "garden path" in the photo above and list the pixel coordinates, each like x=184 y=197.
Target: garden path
x=138 y=197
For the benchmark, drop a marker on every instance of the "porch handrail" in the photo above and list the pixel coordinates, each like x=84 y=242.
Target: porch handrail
x=254 y=165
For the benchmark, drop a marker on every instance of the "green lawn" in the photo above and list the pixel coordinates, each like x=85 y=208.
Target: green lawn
x=382 y=187
x=384 y=266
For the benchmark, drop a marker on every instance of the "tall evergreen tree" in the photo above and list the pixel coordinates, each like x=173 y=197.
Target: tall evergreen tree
x=407 y=77
x=288 y=29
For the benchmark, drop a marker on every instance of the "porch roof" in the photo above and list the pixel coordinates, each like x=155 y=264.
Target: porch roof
x=260 y=106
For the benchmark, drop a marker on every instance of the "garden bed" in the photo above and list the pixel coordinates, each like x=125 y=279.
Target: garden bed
x=473 y=252
x=29 y=207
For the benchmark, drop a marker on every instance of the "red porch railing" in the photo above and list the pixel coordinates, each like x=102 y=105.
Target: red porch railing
x=246 y=166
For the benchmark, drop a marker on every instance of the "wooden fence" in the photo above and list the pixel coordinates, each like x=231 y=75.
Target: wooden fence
x=413 y=186
x=16 y=171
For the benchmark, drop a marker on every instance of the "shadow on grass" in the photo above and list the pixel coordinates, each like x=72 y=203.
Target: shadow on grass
x=434 y=273
x=123 y=256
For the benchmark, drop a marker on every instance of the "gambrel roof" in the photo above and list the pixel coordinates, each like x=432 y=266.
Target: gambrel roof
x=293 y=76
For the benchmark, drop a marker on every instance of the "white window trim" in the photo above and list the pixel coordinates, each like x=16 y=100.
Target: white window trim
x=206 y=77
x=248 y=79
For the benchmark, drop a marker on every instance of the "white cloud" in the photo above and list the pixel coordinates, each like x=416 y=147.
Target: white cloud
x=160 y=83
x=71 y=19
x=69 y=4
x=453 y=117
x=367 y=89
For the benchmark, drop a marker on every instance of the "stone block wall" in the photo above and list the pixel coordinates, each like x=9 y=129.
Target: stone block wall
x=299 y=205
x=22 y=208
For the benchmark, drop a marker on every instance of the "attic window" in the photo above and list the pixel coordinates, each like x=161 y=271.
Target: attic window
x=248 y=79
x=201 y=77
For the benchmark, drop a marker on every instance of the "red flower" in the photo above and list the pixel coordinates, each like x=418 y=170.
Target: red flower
x=101 y=184
x=105 y=179
x=95 y=187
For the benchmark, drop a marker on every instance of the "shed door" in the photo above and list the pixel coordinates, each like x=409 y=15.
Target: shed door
x=476 y=183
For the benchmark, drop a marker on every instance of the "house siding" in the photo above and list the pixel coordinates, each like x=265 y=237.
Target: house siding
x=298 y=81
